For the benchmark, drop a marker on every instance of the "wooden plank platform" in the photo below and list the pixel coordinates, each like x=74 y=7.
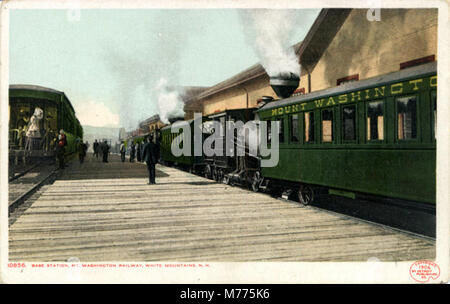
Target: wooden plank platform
x=106 y=212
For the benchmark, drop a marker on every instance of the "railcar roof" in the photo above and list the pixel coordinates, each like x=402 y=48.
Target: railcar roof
x=221 y=113
x=40 y=89
x=33 y=87
x=412 y=72
x=169 y=126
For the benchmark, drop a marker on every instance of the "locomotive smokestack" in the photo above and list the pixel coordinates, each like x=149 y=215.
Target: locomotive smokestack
x=284 y=84
x=175 y=118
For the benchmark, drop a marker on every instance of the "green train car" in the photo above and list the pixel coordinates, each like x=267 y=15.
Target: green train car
x=371 y=137
x=193 y=163
x=58 y=114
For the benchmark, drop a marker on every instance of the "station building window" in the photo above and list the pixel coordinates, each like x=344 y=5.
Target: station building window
x=327 y=126
x=416 y=62
x=375 y=120
x=407 y=117
x=347 y=79
x=309 y=127
x=349 y=122
x=294 y=128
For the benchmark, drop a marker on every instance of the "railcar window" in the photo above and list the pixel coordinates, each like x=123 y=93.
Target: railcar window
x=294 y=128
x=407 y=117
x=327 y=126
x=349 y=122
x=269 y=131
x=375 y=120
x=280 y=130
x=309 y=127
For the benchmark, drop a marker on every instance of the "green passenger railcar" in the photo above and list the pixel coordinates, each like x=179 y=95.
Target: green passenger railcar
x=167 y=138
x=58 y=114
x=376 y=136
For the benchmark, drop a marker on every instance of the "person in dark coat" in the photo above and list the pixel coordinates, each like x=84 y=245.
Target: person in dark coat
x=60 y=148
x=132 y=152
x=105 y=151
x=122 y=151
x=82 y=148
x=138 y=152
x=96 y=148
x=149 y=155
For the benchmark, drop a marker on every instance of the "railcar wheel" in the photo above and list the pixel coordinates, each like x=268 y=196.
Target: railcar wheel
x=226 y=180
x=207 y=172
x=256 y=181
x=214 y=174
x=305 y=195
x=220 y=176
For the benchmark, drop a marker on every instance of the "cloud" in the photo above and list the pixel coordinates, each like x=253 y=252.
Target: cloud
x=144 y=77
x=169 y=101
x=270 y=32
x=96 y=114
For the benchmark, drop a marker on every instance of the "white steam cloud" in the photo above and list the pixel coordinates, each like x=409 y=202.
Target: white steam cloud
x=269 y=31
x=144 y=75
x=169 y=101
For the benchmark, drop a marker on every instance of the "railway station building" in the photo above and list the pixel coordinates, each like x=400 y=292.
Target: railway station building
x=342 y=45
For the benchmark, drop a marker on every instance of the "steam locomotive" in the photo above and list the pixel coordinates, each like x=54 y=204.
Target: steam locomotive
x=374 y=137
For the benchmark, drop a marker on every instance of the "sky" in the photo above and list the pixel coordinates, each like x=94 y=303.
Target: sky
x=109 y=62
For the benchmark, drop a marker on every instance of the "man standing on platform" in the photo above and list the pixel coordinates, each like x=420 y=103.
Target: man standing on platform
x=132 y=152
x=60 y=148
x=149 y=155
x=122 y=151
x=96 y=149
x=82 y=148
x=138 y=151
x=105 y=151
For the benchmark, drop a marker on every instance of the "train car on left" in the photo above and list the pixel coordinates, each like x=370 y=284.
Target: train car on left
x=36 y=115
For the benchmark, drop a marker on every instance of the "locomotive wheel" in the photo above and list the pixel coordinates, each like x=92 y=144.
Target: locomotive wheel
x=214 y=174
x=256 y=181
x=208 y=172
x=305 y=195
x=219 y=176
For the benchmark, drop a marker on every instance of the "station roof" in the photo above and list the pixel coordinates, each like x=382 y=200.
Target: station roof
x=320 y=35
x=150 y=119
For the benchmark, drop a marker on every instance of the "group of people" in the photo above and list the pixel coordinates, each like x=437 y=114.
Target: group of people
x=103 y=148
x=135 y=150
x=147 y=151
x=61 y=143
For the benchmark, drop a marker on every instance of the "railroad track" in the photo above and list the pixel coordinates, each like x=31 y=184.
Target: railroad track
x=23 y=185
x=23 y=171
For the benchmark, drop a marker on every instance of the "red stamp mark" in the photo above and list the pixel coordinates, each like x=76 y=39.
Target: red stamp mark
x=423 y=271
